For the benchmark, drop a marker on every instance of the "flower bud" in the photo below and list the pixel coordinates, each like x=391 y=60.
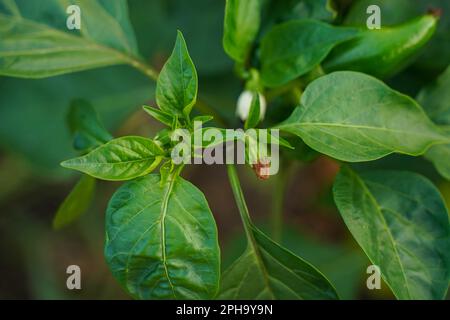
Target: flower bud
x=245 y=101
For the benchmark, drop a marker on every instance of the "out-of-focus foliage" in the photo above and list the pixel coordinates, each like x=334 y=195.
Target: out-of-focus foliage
x=436 y=56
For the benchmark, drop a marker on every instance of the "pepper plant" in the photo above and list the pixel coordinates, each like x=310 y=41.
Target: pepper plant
x=161 y=238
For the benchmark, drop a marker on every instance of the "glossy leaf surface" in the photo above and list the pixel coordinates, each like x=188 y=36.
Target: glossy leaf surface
x=353 y=117
x=123 y=158
x=401 y=222
x=161 y=240
x=176 y=88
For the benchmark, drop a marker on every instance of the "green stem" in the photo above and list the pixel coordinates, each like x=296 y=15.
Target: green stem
x=144 y=68
x=240 y=200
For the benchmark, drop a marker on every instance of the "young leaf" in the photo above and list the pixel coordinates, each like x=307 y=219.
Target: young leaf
x=400 y=221
x=203 y=119
x=253 y=115
x=124 y=158
x=32 y=47
x=296 y=47
x=159 y=115
x=176 y=88
x=383 y=53
x=161 y=241
x=353 y=117
x=241 y=136
x=85 y=125
x=76 y=203
x=268 y=271
x=241 y=25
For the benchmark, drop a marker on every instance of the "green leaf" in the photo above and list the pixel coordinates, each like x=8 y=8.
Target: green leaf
x=241 y=136
x=436 y=99
x=253 y=114
x=176 y=88
x=76 y=203
x=33 y=46
x=203 y=119
x=439 y=155
x=342 y=263
x=400 y=221
x=85 y=125
x=353 y=117
x=161 y=241
x=436 y=102
x=159 y=115
x=385 y=52
x=241 y=25
x=436 y=55
x=123 y=158
x=296 y=47
x=266 y=270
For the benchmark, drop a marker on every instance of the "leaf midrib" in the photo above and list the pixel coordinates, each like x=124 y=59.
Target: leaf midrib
x=163 y=214
x=344 y=125
x=125 y=57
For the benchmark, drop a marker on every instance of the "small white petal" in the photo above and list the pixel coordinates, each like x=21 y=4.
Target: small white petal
x=245 y=101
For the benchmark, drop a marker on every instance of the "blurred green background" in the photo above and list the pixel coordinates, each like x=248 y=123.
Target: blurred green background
x=34 y=139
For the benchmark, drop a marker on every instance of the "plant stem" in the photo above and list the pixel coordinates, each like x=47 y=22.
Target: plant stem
x=144 y=68
x=240 y=200
x=206 y=109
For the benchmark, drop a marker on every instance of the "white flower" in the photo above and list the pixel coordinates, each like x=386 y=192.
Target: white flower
x=245 y=101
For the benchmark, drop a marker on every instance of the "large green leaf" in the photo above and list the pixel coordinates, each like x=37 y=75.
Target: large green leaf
x=123 y=158
x=400 y=221
x=385 y=52
x=36 y=44
x=176 y=89
x=161 y=241
x=436 y=55
x=85 y=125
x=353 y=117
x=268 y=271
x=436 y=102
x=76 y=203
x=241 y=25
x=296 y=47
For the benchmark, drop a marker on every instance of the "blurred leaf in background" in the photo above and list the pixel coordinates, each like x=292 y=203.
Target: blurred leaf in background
x=436 y=56
x=36 y=121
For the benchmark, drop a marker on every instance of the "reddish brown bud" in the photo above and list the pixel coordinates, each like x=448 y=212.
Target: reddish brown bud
x=262 y=169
